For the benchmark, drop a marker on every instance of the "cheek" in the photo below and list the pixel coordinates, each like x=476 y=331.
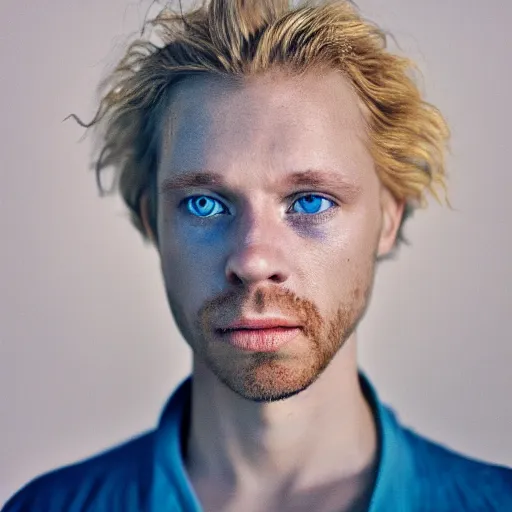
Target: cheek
x=334 y=273
x=191 y=261
x=183 y=262
x=345 y=263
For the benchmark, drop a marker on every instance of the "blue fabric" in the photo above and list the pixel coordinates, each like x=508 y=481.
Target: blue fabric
x=147 y=473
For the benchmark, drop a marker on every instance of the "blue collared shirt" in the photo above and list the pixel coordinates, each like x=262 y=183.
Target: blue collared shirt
x=148 y=474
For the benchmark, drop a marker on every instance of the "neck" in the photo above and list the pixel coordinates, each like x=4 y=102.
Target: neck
x=324 y=434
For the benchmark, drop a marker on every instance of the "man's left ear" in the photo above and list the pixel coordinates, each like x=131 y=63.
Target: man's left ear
x=392 y=211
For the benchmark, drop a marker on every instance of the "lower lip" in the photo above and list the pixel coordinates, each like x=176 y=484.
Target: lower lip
x=260 y=340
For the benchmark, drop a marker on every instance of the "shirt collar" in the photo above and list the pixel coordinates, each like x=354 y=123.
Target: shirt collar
x=390 y=493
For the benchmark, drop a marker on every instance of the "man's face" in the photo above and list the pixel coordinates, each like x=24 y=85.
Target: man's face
x=289 y=228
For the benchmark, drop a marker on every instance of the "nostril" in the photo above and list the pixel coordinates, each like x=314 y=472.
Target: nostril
x=234 y=279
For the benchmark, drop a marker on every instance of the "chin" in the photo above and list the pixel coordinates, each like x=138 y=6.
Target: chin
x=268 y=380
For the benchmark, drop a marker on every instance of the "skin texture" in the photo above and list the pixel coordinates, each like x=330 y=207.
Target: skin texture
x=287 y=430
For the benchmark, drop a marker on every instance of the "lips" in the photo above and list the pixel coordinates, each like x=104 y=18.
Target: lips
x=260 y=323
x=260 y=335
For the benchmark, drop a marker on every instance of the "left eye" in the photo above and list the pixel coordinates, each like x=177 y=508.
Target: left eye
x=312 y=203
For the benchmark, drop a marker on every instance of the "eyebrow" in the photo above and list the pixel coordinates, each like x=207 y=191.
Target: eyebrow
x=310 y=177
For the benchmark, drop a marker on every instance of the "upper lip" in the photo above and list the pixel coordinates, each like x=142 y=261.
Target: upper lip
x=260 y=323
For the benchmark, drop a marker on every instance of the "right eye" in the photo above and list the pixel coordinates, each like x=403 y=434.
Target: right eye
x=204 y=206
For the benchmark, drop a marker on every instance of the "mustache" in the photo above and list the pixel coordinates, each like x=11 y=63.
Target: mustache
x=233 y=303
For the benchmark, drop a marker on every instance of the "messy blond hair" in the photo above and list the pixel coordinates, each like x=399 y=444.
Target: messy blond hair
x=239 y=38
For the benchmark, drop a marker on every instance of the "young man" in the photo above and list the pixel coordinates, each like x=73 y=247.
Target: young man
x=272 y=155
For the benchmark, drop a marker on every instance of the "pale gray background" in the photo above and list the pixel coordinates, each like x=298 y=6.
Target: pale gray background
x=89 y=351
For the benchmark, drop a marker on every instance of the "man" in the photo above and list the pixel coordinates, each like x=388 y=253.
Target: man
x=272 y=155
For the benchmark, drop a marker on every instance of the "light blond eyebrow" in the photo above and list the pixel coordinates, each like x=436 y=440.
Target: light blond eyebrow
x=310 y=178
x=317 y=178
x=191 y=180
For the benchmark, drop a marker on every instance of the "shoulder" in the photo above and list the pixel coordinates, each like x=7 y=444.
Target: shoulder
x=117 y=479
x=449 y=480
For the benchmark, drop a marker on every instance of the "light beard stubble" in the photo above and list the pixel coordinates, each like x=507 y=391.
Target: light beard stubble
x=268 y=377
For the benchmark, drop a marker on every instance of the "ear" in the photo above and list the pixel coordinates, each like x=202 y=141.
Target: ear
x=145 y=217
x=392 y=212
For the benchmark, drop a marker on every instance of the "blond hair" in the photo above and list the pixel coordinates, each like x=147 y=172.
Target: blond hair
x=238 y=38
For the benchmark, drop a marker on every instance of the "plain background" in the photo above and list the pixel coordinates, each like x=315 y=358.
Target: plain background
x=89 y=350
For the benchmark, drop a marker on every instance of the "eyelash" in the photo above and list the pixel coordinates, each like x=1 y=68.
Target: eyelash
x=315 y=216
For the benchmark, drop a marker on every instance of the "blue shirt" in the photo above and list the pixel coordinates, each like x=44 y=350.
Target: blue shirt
x=147 y=473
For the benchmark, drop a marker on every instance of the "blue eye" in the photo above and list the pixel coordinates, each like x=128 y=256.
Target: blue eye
x=310 y=203
x=203 y=206
x=206 y=206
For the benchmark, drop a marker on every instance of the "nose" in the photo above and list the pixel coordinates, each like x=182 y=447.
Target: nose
x=256 y=264
x=259 y=255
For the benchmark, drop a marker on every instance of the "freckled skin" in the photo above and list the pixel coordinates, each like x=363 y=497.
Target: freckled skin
x=260 y=258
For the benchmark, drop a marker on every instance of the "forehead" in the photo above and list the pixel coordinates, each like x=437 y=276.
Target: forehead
x=271 y=121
